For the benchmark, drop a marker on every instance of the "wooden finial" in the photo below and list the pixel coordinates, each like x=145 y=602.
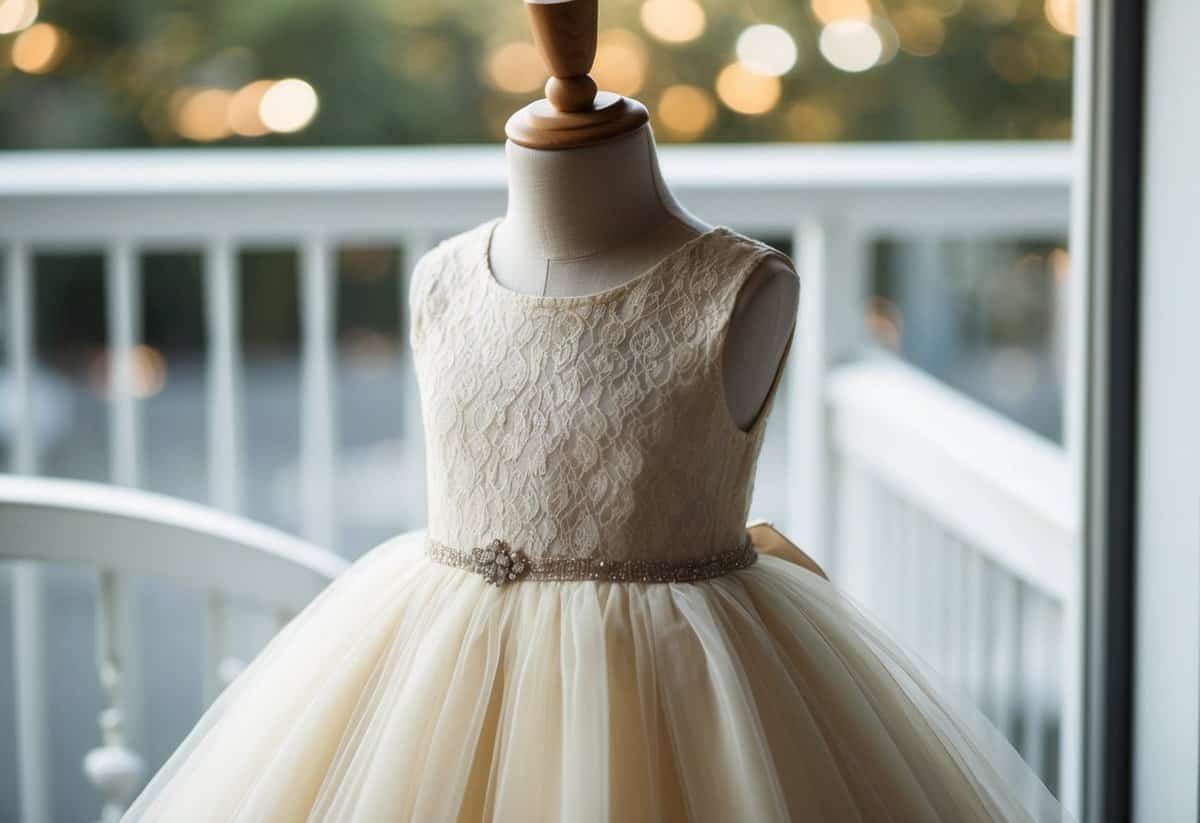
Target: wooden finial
x=573 y=113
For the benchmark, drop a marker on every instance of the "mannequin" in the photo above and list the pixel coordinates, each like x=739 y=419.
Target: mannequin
x=588 y=208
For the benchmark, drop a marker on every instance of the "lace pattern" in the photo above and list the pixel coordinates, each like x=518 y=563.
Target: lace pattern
x=589 y=427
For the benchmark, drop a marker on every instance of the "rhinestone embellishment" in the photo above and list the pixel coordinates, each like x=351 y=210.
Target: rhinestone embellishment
x=498 y=563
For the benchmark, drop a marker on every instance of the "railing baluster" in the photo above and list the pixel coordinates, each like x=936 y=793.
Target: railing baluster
x=1005 y=639
x=29 y=634
x=318 y=441
x=954 y=611
x=1035 y=685
x=112 y=767
x=857 y=512
x=20 y=321
x=216 y=636
x=123 y=292
x=977 y=638
x=221 y=667
x=124 y=324
x=222 y=312
x=932 y=574
x=829 y=255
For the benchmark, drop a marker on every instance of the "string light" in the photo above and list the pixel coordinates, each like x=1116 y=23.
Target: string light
x=920 y=30
x=288 y=105
x=242 y=115
x=673 y=21
x=830 y=11
x=202 y=114
x=16 y=15
x=746 y=92
x=516 y=68
x=620 y=62
x=851 y=45
x=1063 y=15
x=39 y=49
x=686 y=111
x=766 y=49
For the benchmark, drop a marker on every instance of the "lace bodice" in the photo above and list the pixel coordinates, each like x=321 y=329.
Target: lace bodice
x=584 y=427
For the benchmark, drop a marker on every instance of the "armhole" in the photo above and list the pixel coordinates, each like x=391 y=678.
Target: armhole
x=418 y=288
x=729 y=304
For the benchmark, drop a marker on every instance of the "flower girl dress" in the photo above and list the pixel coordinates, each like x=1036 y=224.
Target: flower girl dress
x=585 y=631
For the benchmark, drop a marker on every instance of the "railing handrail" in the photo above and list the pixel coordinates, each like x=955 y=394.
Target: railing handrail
x=841 y=168
x=964 y=463
x=108 y=527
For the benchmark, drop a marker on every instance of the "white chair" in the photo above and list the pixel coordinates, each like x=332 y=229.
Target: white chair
x=120 y=532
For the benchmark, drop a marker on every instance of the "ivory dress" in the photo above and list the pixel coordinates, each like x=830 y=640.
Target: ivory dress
x=585 y=632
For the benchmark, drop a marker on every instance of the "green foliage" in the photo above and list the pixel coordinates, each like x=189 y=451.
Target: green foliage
x=416 y=71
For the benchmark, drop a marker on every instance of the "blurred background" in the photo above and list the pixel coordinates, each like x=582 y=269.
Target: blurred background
x=983 y=314
x=81 y=74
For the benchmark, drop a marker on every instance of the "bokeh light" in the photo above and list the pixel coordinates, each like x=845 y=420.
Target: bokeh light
x=746 y=92
x=202 y=114
x=920 y=30
x=830 y=11
x=673 y=21
x=620 y=62
x=885 y=322
x=443 y=54
x=516 y=67
x=39 y=49
x=147 y=372
x=242 y=115
x=946 y=8
x=888 y=37
x=288 y=105
x=851 y=45
x=997 y=11
x=686 y=111
x=1060 y=264
x=766 y=49
x=1013 y=59
x=16 y=15
x=813 y=121
x=1063 y=15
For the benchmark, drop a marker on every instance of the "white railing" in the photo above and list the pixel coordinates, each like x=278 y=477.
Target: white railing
x=961 y=529
x=120 y=533
x=881 y=465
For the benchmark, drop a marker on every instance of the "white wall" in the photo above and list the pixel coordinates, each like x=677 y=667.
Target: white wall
x=1167 y=726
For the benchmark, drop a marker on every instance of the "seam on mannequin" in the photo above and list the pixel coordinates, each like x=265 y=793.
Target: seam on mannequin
x=669 y=218
x=487 y=231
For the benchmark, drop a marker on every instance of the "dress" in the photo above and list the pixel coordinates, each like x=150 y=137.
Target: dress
x=622 y=653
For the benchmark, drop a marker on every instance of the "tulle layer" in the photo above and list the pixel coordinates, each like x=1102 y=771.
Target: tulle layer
x=411 y=691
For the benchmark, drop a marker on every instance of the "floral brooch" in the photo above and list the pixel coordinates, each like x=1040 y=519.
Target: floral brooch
x=499 y=563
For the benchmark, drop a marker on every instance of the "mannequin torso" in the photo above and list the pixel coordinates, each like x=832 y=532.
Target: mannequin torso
x=584 y=220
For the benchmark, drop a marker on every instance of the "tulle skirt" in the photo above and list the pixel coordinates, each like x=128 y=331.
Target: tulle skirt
x=412 y=691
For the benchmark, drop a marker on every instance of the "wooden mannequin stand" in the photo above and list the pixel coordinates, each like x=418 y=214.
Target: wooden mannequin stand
x=573 y=113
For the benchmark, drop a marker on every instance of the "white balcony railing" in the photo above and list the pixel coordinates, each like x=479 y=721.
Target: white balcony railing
x=956 y=526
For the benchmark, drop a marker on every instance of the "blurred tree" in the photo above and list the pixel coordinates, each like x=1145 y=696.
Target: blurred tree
x=86 y=73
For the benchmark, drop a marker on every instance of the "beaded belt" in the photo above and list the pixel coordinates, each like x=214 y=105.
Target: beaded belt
x=500 y=564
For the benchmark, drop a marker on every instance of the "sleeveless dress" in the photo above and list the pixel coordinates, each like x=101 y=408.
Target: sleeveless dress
x=584 y=631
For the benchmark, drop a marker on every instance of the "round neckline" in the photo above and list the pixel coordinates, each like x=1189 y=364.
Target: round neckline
x=489 y=276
